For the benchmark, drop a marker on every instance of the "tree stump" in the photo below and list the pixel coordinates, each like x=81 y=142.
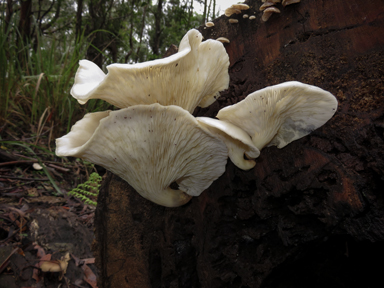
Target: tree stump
x=308 y=215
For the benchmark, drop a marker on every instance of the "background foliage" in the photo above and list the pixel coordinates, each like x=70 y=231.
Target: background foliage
x=43 y=40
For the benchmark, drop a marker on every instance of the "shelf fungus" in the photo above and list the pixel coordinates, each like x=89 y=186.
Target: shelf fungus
x=235 y=9
x=289 y=2
x=223 y=40
x=238 y=142
x=199 y=70
x=209 y=24
x=268 y=13
x=280 y=114
x=268 y=3
x=152 y=147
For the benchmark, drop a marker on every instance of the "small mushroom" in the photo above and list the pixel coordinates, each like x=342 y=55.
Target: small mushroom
x=252 y=17
x=229 y=11
x=245 y=16
x=280 y=114
x=268 y=3
x=151 y=147
x=199 y=70
x=223 y=40
x=240 y=6
x=209 y=24
x=237 y=141
x=268 y=13
x=233 y=21
x=289 y=2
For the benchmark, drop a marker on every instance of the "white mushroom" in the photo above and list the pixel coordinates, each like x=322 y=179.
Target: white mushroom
x=268 y=13
x=235 y=9
x=252 y=17
x=240 y=6
x=289 y=2
x=209 y=24
x=233 y=21
x=229 y=11
x=237 y=141
x=245 y=16
x=280 y=114
x=267 y=4
x=223 y=40
x=192 y=77
x=151 y=147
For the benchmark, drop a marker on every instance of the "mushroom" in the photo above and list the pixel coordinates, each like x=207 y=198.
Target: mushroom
x=268 y=3
x=209 y=24
x=237 y=141
x=233 y=21
x=245 y=16
x=235 y=9
x=152 y=147
x=229 y=11
x=252 y=17
x=223 y=40
x=240 y=6
x=268 y=13
x=192 y=77
x=280 y=114
x=289 y=2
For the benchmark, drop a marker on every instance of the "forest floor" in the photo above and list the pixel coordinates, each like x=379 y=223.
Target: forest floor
x=42 y=228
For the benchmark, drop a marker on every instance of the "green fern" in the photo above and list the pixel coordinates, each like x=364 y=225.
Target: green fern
x=88 y=191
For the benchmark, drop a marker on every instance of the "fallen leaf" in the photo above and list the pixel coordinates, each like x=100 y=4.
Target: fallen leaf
x=89 y=276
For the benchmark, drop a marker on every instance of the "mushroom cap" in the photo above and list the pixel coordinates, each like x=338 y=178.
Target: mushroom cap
x=267 y=4
x=240 y=6
x=229 y=11
x=209 y=24
x=232 y=21
x=237 y=141
x=289 y=2
x=280 y=114
x=223 y=40
x=151 y=147
x=268 y=13
x=189 y=78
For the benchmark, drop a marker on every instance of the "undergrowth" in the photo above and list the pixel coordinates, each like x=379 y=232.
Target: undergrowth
x=88 y=191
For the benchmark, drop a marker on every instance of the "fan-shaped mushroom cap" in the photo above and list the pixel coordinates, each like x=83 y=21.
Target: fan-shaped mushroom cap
x=189 y=78
x=268 y=13
x=209 y=24
x=267 y=4
x=229 y=11
x=150 y=146
x=223 y=40
x=280 y=114
x=237 y=141
x=289 y=2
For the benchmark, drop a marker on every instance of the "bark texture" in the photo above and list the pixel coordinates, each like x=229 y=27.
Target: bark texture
x=308 y=215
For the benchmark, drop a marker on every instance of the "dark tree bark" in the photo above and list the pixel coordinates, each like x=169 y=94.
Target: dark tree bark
x=308 y=215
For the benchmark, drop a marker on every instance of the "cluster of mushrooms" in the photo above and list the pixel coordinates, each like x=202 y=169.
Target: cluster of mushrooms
x=269 y=7
x=155 y=144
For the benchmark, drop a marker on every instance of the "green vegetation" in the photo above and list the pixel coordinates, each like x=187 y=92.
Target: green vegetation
x=88 y=191
x=42 y=42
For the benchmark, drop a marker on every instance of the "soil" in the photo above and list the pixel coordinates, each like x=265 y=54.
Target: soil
x=39 y=224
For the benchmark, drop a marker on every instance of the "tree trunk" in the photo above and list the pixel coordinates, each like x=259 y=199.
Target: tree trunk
x=308 y=215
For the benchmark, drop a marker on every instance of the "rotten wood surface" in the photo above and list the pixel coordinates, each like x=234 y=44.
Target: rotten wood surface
x=308 y=215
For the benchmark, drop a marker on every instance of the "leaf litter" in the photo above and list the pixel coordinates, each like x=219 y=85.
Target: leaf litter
x=45 y=234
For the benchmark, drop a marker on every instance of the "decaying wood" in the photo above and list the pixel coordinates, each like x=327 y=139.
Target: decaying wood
x=308 y=215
